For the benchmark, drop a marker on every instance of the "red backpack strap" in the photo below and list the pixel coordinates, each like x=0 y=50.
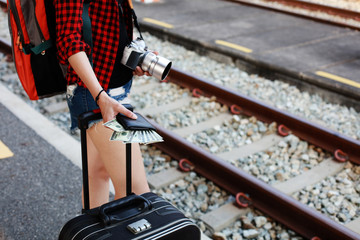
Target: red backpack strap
x=31 y=21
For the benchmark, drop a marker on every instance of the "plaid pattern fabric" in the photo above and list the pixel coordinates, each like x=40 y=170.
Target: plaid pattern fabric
x=104 y=15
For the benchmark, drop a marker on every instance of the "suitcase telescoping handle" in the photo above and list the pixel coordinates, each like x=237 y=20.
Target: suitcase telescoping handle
x=123 y=208
x=83 y=121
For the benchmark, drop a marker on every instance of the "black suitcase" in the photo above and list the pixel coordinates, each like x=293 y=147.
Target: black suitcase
x=145 y=216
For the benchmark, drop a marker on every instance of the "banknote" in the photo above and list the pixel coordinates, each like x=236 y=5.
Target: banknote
x=114 y=125
x=128 y=136
x=121 y=136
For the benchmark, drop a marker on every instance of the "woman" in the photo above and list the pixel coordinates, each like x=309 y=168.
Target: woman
x=101 y=82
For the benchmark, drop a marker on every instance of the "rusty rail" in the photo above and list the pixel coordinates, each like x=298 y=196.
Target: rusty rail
x=329 y=140
x=284 y=209
x=276 y=204
x=5 y=46
x=344 y=13
x=340 y=12
x=3 y=3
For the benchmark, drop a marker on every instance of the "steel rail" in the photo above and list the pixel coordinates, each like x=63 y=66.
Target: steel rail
x=5 y=46
x=3 y=3
x=284 y=209
x=327 y=139
x=279 y=206
x=344 y=13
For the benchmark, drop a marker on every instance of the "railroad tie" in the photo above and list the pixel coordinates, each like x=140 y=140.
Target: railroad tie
x=204 y=237
x=223 y=216
x=151 y=111
x=56 y=107
x=185 y=131
x=328 y=167
x=144 y=88
x=249 y=149
x=8 y=77
x=354 y=225
x=165 y=178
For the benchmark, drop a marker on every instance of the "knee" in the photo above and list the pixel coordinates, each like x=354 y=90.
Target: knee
x=98 y=172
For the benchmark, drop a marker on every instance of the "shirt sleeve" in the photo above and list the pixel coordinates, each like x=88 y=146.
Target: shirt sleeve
x=68 y=14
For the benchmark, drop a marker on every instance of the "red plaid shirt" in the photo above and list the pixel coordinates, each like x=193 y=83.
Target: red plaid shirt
x=104 y=15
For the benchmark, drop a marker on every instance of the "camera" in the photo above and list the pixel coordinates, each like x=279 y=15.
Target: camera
x=136 y=54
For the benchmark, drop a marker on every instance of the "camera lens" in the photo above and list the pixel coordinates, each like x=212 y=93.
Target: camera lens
x=157 y=66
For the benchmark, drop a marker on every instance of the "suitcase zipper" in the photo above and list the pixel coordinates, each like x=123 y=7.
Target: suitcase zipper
x=159 y=201
x=171 y=230
x=68 y=234
x=186 y=222
x=86 y=228
x=115 y=225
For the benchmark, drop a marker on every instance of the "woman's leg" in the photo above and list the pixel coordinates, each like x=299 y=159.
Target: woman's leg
x=98 y=176
x=113 y=157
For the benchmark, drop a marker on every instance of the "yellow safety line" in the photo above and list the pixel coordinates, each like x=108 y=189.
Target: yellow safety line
x=5 y=152
x=338 y=78
x=234 y=46
x=153 y=21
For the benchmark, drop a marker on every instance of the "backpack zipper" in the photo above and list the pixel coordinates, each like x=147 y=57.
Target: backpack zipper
x=20 y=38
x=20 y=41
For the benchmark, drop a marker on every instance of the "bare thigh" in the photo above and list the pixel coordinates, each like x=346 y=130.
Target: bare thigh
x=112 y=154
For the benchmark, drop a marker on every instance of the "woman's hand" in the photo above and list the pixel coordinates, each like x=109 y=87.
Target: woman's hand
x=110 y=108
x=139 y=72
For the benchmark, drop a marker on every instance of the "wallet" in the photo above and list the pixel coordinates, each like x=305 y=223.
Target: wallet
x=139 y=124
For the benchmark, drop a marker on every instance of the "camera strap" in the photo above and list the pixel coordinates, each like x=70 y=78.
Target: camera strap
x=136 y=23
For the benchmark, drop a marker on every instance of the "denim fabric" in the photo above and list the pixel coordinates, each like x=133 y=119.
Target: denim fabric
x=80 y=100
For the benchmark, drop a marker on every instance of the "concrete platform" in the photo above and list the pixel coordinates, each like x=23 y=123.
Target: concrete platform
x=316 y=57
x=40 y=189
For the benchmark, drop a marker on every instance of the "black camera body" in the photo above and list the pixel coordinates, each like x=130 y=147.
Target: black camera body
x=136 y=54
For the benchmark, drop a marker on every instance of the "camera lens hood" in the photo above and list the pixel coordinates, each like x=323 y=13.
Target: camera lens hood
x=159 y=67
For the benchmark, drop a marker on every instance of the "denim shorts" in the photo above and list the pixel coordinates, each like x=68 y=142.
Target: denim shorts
x=80 y=100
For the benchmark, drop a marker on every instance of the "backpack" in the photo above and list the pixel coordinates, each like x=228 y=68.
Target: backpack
x=32 y=30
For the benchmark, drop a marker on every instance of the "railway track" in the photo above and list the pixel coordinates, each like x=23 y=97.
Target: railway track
x=275 y=200
x=214 y=167
x=308 y=9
